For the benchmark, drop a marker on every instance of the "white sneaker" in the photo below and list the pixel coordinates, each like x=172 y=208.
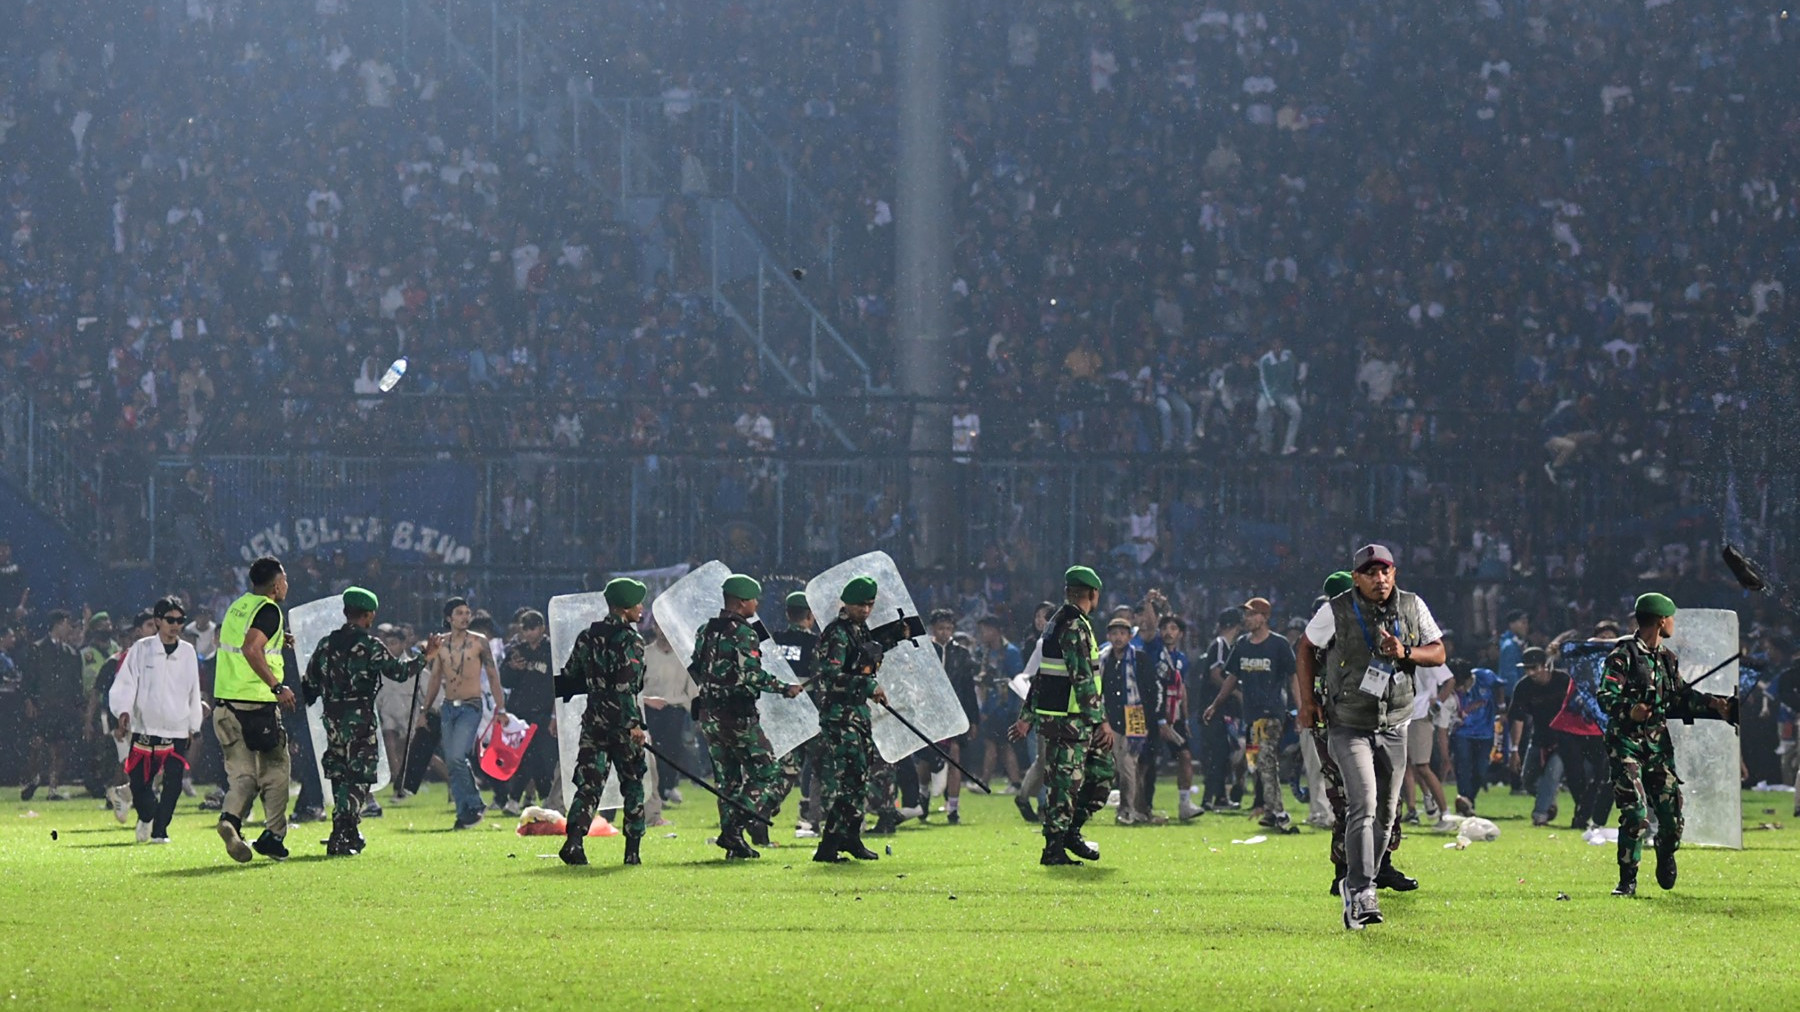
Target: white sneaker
x=911 y=812
x=801 y=825
x=512 y=808
x=143 y=832
x=159 y=839
x=805 y=834
x=674 y=797
x=1112 y=800
x=120 y=796
x=1188 y=810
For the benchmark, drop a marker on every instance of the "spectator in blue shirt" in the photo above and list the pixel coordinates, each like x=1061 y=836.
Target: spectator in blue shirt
x=1512 y=647
x=1000 y=661
x=1472 y=743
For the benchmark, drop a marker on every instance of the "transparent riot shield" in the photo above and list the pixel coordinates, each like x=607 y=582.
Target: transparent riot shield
x=1706 y=751
x=916 y=683
x=569 y=614
x=694 y=600
x=311 y=623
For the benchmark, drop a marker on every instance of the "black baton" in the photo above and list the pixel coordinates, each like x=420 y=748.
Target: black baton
x=745 y=809
x=972 y=778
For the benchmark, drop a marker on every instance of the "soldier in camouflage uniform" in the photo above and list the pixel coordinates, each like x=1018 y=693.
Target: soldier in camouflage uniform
x=1065 y=706
x=1640 y=690
x=845 y=682
x=608 y=663
x=345 y=671
x=727 y=666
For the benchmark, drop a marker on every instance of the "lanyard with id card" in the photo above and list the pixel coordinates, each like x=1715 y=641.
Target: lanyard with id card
x=1381 y=672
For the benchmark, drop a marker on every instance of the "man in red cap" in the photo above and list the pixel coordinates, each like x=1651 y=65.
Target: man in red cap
x=1376 y=635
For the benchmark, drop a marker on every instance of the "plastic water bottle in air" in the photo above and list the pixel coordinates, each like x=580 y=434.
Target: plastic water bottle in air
x=391 y=378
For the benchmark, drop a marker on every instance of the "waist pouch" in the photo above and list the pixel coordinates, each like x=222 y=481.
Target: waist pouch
x=261 y=725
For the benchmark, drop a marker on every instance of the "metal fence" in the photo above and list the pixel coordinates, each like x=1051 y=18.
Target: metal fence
x=34 y=452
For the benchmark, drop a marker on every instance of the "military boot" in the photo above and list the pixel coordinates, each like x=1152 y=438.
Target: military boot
x=572 y=851
x=1053 y=855
x=853 y=845
x=1337 y=877
x=734 y=846
x=759 y=834
x=1074 y=844
x=886 y=823
x=1627 y=881
x=830 y=850
x=631 y=850
x=1665 y=865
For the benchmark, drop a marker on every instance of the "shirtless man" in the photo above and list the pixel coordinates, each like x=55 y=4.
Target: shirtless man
x=458 y=668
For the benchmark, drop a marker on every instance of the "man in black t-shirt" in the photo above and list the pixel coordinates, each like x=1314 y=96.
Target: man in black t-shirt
x=1261 y=663
x=1536 y=701
x=1214 y=735
x=800 y=767
x=532 y=698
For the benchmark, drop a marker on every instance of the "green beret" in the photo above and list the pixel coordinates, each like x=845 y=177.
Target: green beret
x=1654 y=604
x=858 y=591
x=797 y=600
x=358 y=599
x=742 y=587
x=1081 y=576
x=624 y=592
x=1337 y=583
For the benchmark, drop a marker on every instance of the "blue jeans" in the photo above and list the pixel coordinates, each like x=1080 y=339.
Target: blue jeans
x=1471 y=758
x=1549 y=782
x=460 y=725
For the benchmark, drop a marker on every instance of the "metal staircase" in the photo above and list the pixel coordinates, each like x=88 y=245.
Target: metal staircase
x=768 y=236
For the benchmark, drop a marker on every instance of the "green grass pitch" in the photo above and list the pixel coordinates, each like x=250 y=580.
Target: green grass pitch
x=957 y=916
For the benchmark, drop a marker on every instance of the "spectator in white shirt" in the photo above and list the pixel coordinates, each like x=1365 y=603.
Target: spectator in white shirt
x=156 y=698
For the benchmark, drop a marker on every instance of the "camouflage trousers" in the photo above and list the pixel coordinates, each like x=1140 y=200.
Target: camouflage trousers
x=1639 y=785
x=846 y=749
x=1333 y=779
x=352 y=753
x=790 y=765
x=1078 y=775
x=1265 y=734
x=603 y=749
x=745 y=766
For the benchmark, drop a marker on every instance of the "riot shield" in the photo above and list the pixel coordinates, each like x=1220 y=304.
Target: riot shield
x=1706 y=751
x=311 y=623
x=694 y=600
x=569 y=614
x=916 y=683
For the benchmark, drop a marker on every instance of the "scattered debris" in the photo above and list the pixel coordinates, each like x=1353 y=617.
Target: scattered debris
x=1258 y=838
x=1562 y=896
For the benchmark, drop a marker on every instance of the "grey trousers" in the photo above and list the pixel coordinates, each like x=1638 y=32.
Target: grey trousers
x=1373 y=765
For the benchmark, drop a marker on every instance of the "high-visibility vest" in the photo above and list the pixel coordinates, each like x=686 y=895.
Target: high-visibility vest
x=1053 y=672
x=233 y=677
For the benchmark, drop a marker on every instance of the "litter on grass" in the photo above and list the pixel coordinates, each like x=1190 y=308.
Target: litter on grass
x=1259 y=838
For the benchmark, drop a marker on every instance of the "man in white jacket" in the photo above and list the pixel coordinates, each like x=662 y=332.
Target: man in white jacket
x=156 y=697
